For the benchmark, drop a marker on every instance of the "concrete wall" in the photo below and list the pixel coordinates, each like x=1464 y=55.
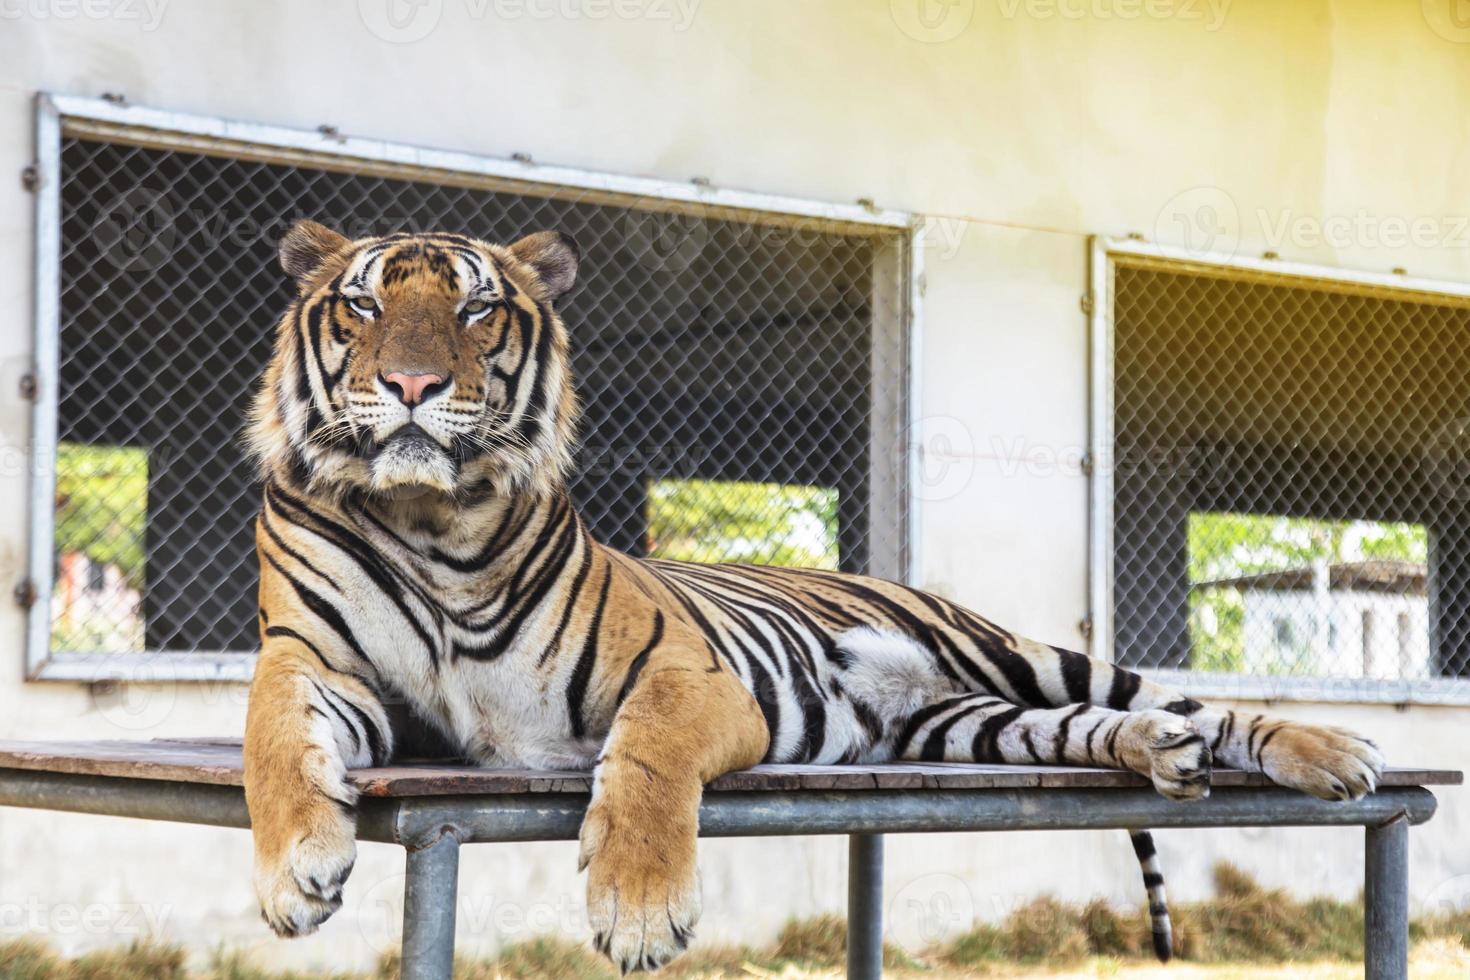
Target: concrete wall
x=1330 y=132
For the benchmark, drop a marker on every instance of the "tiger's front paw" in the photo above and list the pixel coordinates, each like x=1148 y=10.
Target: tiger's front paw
x=1174 y=755
x=1327 y=762
x=642 y=888
x=301 y=886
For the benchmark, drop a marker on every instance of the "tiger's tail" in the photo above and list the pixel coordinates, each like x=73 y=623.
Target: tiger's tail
x=1158 y=903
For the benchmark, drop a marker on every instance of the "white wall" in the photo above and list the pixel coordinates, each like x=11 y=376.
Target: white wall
x=1388 y=651
x=1025 y=125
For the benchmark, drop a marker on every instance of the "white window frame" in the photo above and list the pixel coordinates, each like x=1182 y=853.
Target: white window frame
x=1106 y=255
x=900 y=279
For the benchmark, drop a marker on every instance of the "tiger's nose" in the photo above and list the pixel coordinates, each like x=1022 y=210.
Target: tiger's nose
x=412 y=389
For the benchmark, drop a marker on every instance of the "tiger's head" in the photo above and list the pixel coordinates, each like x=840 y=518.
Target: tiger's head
x=410 y=364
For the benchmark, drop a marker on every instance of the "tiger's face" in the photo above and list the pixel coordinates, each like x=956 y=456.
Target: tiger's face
x=417 y=363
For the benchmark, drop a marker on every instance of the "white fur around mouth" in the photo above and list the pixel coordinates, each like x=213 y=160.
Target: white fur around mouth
x=413 y=462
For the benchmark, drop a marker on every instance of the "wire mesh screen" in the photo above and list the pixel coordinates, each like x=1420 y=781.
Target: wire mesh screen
x=742 y=377
x=1290 y=494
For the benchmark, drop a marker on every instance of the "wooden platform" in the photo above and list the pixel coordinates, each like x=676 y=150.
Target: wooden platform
x=217 y=762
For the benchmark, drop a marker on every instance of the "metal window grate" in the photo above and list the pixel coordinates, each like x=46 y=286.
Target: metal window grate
x=743 y=374
x=1289 y=489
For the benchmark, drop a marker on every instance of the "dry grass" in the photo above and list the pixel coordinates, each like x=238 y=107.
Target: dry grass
x=1246 y=931
x=1247 y=923
x=1243 y=924
x=27 y=959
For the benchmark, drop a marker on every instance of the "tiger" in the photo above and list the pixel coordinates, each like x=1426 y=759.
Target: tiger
x=414 y=431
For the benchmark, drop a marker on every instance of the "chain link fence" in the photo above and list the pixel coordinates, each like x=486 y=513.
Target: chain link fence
x=1290 y=495
x=743 y=374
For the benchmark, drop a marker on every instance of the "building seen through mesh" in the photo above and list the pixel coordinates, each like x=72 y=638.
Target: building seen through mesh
x=742 y=376
x=1289 y=497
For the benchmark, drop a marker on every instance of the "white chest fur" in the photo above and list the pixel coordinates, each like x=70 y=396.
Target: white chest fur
x=509 y=708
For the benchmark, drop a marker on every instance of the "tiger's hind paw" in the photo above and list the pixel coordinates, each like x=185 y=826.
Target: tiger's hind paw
x=1327 y=762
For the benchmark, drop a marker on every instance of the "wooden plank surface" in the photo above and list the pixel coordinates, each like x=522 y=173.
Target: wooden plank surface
x=217 y=762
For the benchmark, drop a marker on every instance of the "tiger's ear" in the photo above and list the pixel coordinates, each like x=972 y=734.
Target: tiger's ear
x=553 y=256
x=306 y=246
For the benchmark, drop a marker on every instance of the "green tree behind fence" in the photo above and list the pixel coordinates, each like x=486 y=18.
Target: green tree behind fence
x=763 y=523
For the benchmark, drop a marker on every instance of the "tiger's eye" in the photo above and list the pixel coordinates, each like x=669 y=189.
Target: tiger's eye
x=475 y=307
x=362 y=306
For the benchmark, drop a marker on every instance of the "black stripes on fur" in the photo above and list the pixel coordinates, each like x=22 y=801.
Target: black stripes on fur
x=500 y=582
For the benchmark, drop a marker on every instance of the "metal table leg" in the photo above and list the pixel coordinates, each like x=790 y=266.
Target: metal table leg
x=430 y=892
x=864 y=906
x=1386 y=901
